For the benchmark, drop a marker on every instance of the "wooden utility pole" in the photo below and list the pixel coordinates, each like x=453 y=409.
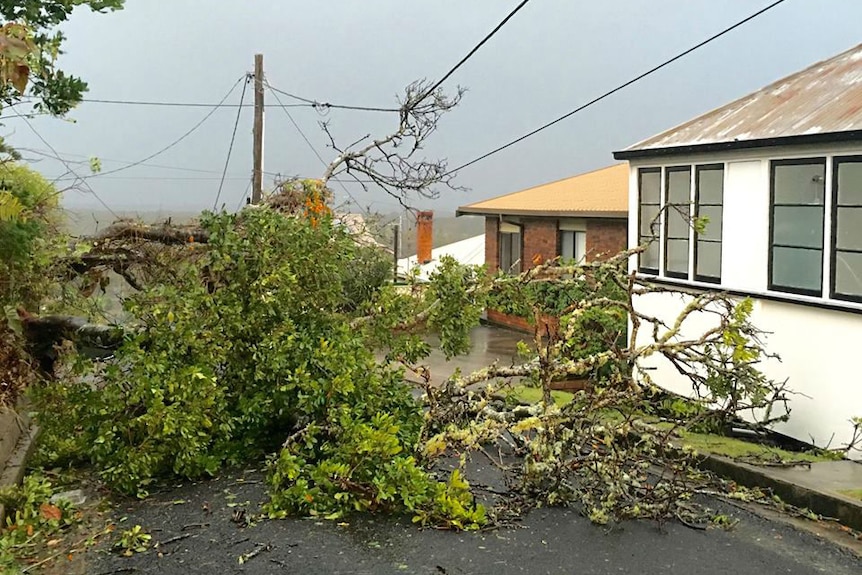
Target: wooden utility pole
x=257 y=182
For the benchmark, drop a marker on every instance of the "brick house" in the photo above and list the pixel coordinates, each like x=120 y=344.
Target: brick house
x=582 y=218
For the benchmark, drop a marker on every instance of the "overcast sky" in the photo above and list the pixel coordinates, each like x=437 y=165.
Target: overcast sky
x=551 y=57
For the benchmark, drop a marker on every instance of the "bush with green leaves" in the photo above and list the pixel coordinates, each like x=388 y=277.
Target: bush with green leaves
x=250 y=348
x=31 y=520
x=26 y=240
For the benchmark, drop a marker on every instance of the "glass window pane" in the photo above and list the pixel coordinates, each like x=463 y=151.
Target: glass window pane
x=649 y=222
x=850 y=183
x=580 y=246
x=679 y=186
x=678 y=222
x=710 y=185
x=510 y=252
x=849 y=234
x=567 y=245
x=800 y=183
x=516 y=253
x=712 y=230
x=677 y=256
x=650 y=186
x=708 y=259
x=797 y=268
x=848 y=273
x=505 y=251
x=798 y=226
x=649 y=257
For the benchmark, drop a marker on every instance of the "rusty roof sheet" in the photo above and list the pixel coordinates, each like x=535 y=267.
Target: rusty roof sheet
x=825 y=98
x=601 y=192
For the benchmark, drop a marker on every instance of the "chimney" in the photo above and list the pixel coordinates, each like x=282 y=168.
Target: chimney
x=424 y=236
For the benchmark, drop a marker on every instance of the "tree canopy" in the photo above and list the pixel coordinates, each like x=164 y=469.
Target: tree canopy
x=29 y=48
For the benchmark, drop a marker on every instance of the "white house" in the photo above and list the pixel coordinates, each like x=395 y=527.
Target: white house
x=779 y=174
x=470 y=251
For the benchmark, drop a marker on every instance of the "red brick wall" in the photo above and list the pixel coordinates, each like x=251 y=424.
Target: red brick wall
x=605 y=238
x=492 y=252
x=539 y=241
x=510 y=321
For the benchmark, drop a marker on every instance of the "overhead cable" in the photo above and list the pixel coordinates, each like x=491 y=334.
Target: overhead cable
x=474 y=50
x=618 y=88
x=72 y=170
x=178 y=140
x=232 y=140
x=323 y=162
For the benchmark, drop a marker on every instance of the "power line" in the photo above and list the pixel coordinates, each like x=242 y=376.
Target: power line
x=618 y=88
x=232 y=139
x=474 y=50
x=127 y=162
x=159 y=178
x=325 y=106
x=245 y=194
x=179 y=104
x=72 y=170
x=178 y=140
x=310 y=145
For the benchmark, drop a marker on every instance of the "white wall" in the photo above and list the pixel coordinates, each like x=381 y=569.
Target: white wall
x=818 y=346
x=819 y=357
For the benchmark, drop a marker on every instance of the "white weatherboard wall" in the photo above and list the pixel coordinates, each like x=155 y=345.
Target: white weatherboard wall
x=819 y=348
x=819 y=351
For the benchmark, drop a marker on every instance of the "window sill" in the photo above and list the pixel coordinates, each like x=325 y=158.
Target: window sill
x=809 y=301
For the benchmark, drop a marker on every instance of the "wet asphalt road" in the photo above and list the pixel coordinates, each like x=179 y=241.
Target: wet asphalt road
x=194 y=530
x=548 y=541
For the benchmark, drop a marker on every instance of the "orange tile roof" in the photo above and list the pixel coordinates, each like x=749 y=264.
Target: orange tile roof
x=603 y=192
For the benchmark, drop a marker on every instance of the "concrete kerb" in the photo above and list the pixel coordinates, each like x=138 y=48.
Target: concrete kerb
x=19 y=435
x=833 y=505
x=845 y=510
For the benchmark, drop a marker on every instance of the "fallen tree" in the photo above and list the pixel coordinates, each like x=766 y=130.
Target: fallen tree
x=259 y=346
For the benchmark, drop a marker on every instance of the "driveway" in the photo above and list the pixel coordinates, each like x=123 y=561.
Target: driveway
x=490 y=344
x=198 y=533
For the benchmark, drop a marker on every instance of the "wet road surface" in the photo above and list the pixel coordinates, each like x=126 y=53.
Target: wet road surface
x=548 y=541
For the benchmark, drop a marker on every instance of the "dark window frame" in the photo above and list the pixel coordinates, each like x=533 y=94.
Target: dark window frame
x=771 y=286
x=667 y=208
x=833 y=245
x=658 y=228
x=574 y=238
x=697 y=206
x=520 y=260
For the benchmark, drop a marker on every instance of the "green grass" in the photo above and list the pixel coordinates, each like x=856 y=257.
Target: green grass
x=739 y=448
x=701 y=442
x=853 y=493
x=534 y=395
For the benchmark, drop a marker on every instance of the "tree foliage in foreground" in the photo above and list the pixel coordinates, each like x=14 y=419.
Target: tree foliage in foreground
x=30 y=45
x=246 y=349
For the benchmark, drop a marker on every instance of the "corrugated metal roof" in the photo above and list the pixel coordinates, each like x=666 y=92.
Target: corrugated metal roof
x=601 y=192
x=825 y=98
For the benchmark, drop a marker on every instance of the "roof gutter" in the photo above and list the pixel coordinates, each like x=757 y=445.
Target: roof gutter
x=470 y=211
x=806 y=139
